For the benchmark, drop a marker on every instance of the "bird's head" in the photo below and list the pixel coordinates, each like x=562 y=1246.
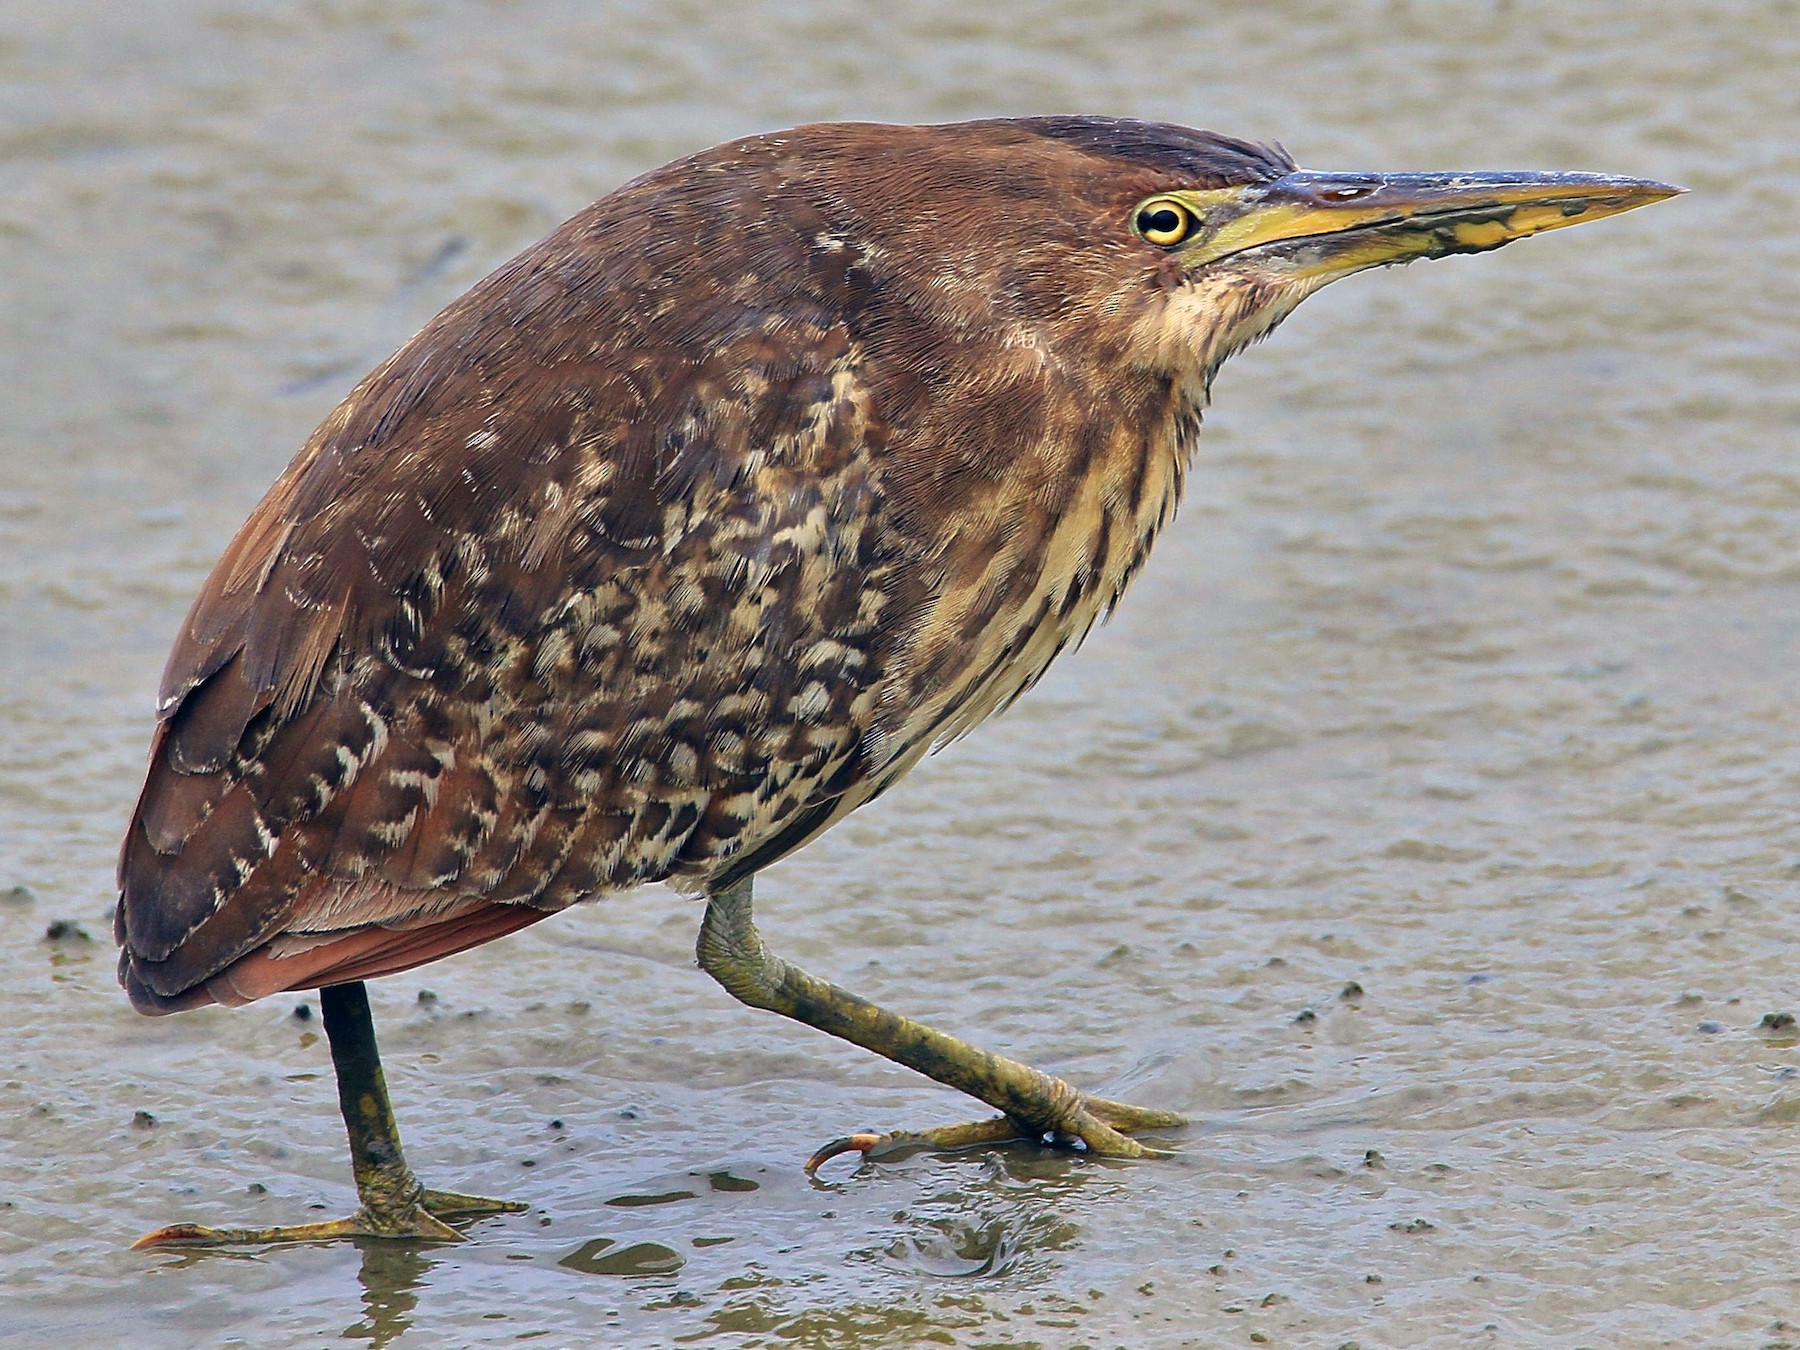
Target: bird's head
x=1147 y=243
x=1233 y=259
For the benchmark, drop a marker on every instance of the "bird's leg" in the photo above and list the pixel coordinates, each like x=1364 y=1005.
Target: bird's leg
x=394 y=1203
x=1034 y=1105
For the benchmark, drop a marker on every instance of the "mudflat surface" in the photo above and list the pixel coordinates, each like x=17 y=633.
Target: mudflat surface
x=1465 y=680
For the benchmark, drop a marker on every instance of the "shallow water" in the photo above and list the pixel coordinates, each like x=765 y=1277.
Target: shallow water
x=1464 y=681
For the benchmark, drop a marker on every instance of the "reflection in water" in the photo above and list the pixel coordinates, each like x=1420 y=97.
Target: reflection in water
x=1471 y=653
x=392 y=1273
x=687 y=1189
x=962 y=1251
x=724 y=1181
x=1009 y=1208
x=604 y=1256
x=656 y=1198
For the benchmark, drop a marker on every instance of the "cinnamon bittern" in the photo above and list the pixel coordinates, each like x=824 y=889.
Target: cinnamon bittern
x=690 y=530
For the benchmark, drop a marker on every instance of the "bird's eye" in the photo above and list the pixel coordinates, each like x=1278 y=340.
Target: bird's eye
x=1163 y=221
x=1345 y=194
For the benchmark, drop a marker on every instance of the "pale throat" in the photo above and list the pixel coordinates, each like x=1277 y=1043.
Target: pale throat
x=1193 y=329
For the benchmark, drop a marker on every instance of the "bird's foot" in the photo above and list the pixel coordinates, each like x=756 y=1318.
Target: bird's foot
x=417 y=1221
x=1094 y=1124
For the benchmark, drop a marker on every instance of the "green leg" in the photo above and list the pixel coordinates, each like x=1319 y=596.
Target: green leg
x=394 y=1203
x=1034 y=1105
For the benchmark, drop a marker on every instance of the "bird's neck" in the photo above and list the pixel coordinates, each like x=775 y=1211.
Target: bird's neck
x=1033 y=555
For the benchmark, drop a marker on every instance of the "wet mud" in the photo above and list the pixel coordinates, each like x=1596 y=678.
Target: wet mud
x=1423 y=826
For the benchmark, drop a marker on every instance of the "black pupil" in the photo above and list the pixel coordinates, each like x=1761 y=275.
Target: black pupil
x=1164 y=220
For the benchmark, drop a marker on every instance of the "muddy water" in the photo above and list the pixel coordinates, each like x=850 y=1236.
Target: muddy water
x=1425 y=824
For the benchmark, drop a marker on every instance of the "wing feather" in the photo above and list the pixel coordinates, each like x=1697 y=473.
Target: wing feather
x=529 y=619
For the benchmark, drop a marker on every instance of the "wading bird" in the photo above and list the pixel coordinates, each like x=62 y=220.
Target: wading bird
x=690 y=530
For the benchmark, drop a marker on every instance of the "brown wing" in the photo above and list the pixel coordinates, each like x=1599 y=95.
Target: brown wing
x=591 y=584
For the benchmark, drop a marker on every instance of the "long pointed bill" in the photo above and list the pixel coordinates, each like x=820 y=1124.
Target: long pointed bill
x=1327 y=225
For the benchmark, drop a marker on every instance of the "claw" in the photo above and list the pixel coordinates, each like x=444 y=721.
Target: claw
x=849 y=1143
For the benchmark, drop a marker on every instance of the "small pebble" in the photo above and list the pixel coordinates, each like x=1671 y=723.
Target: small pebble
x=1351 y=990
x=1777 y=1021
x=143 y=1120
x=426 y=996
x=17 y=895
x=303 y=1012
x=1305 y=1016
x=66 y=930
